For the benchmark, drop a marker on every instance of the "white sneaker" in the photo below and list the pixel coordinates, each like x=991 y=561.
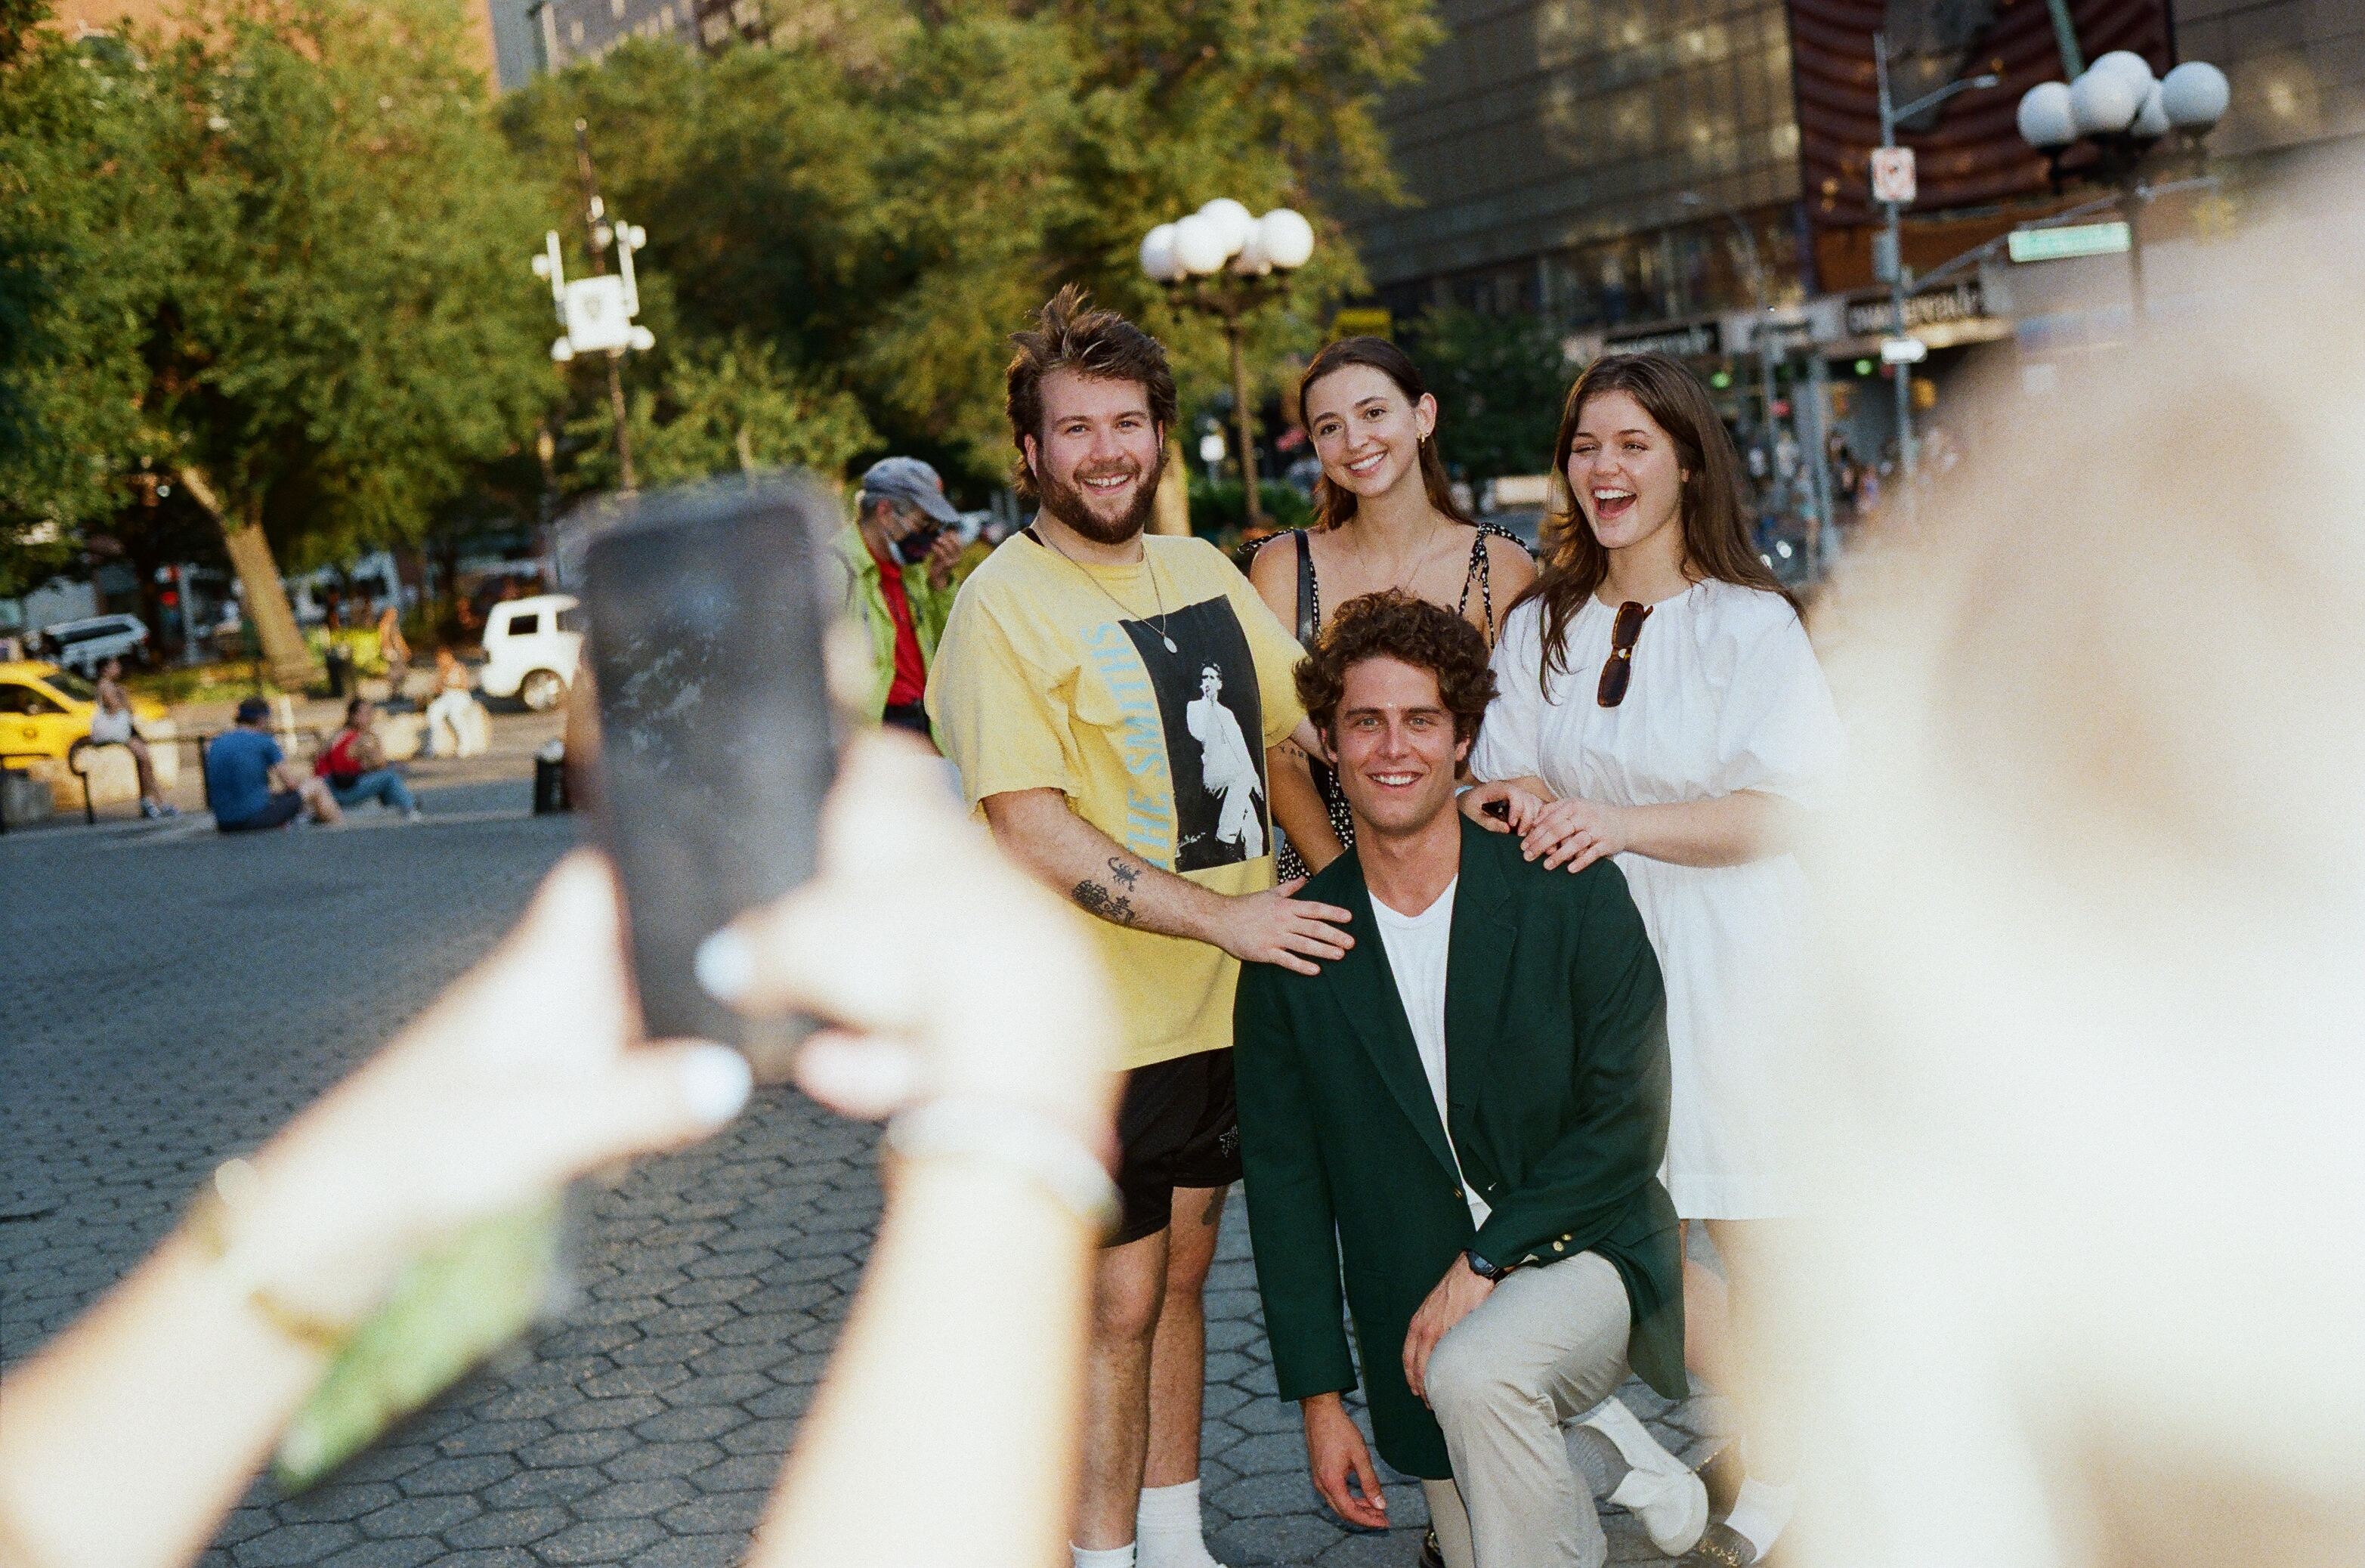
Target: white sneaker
x=1659 y=1489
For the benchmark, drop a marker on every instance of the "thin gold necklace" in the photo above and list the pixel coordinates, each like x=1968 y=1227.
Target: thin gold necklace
x=1159 y=624
x=1404 y=585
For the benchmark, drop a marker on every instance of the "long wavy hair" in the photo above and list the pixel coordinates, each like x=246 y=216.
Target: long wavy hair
x=1334 y=507
x=1712 y=509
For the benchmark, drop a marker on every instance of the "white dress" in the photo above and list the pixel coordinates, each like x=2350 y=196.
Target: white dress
x=1725 y=694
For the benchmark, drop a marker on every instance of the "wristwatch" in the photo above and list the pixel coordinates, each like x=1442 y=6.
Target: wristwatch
x=1488 y=1271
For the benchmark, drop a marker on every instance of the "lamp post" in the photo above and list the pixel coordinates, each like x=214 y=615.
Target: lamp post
x=1889 y=260
x=1224 y=263
x=597 y=311
x=2116 y=107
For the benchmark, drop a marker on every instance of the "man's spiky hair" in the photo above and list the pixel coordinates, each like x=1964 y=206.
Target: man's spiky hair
x=1070 y=335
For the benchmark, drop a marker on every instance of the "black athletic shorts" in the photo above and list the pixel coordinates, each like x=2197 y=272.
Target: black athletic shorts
x=279 y=814
x=1177 y=1126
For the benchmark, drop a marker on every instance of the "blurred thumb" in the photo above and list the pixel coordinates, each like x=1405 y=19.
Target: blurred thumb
x=657 y=1097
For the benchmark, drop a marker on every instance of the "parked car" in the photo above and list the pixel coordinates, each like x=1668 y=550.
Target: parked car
x=530 y=646
x=46 y=709
x=85 y=645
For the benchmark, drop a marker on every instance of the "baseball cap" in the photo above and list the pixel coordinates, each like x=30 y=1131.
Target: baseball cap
x=251 y=709
x=912 y=481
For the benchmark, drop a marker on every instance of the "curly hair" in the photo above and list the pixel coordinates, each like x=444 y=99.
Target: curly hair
x=1394 y=625
x=1070 y=335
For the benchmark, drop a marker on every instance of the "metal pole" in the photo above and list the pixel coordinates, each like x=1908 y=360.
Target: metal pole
x=1248 y=427
x=1820 y=537
x=1897 y=295
x=2064 y=37
x=2135 y=199
x=594 y=210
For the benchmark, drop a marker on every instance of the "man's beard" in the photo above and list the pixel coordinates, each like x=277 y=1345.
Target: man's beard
x=1067 y=503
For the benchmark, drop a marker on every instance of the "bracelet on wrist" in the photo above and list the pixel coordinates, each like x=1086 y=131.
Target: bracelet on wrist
x=1020 y=1140
x=214 y=1225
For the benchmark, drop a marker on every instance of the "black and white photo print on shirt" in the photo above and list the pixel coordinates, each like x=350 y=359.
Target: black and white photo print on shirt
x=1208 y=705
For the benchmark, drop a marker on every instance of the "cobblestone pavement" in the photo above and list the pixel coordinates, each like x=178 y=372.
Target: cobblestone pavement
x=172 y=996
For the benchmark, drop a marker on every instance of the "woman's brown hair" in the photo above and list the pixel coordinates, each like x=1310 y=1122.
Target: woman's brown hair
x=1716 y=538
x=1333 y=507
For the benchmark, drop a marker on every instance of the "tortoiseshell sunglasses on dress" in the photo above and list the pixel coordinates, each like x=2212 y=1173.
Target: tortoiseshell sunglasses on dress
x=1618 y=668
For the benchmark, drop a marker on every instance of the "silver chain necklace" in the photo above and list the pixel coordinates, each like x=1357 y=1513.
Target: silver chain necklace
x=1158 y=625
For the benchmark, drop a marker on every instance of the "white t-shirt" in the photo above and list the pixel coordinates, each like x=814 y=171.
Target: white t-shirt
x=1417 y=946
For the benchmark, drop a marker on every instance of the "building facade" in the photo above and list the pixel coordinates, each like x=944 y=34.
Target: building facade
x=571 y=31
x=1598 y=163
x=1593 y=162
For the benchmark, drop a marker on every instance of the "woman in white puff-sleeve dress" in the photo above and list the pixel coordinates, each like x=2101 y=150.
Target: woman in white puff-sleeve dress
x=1659 y=701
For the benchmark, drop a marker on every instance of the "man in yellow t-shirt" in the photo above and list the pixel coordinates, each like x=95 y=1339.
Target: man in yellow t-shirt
x=1112 y=701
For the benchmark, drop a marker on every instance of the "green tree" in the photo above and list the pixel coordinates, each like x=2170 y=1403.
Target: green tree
x=727 y=406
x=85 y=253
x=301 y=231
x=885 y=195
x=1499 y=382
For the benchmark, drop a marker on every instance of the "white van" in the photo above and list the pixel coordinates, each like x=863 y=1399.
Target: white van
x=530 y=646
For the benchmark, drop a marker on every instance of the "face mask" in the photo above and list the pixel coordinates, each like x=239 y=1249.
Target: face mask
x=913 y=547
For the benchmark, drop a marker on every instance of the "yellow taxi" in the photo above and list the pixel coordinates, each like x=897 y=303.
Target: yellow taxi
x=45 y=712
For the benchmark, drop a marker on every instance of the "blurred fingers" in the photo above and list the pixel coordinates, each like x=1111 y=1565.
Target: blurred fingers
x=859 y=1075
x=654 y=1097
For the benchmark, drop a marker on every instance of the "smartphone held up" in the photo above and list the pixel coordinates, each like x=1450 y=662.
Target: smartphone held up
x=708 y=610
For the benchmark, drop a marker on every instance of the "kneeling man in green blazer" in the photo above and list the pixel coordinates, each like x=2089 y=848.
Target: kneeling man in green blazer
x=1468 y=1111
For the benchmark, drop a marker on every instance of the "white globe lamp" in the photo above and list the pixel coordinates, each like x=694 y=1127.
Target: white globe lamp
x=2046 y=118
x=2105 y=102
x=1158 y=255
x=1286 y=239
x=1199 y=246
x=2127 y=64
x=1252 y=262
x=2194 y=95
x=1232 y=222
x=2151 y=120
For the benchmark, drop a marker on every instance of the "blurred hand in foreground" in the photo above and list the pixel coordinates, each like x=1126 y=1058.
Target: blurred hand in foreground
x=946 y=971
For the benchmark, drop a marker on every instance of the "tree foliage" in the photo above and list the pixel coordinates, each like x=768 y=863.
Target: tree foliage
x=1499 y=381
x=276 y=252
x=285 y=249
x=887 y=195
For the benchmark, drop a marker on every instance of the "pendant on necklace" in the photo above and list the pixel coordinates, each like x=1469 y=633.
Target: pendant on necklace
x=1169 y=645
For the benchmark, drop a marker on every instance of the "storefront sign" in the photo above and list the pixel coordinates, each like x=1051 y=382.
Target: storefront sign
x=1696 y=341
x=1878 y=318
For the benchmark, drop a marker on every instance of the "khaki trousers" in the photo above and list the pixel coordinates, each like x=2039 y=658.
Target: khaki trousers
x=1546 y=1346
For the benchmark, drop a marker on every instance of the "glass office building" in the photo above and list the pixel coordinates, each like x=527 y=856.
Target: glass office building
x=1593 y=161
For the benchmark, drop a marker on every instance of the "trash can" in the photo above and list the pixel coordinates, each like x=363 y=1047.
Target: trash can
x=550 y=779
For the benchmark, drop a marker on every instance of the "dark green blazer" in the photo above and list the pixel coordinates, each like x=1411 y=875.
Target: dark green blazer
x=1556 y=1081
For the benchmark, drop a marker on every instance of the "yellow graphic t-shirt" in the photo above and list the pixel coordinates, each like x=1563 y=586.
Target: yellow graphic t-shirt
x=1053 y=675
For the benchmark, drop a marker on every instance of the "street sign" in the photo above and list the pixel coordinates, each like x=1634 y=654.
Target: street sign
x=1903 y=351
x=1892 y=174
x=2070 y=239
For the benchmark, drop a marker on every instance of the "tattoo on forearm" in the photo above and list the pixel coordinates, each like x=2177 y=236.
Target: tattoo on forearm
x=1096 y=900
x=1214 y=1206
x=1124 y=873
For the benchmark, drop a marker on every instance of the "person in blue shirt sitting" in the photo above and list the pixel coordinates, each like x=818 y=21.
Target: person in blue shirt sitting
x=243 y=766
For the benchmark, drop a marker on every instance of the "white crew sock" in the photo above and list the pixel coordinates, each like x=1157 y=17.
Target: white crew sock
x=1114 y=1557
x=1168 y=1528
x=1761 y=1513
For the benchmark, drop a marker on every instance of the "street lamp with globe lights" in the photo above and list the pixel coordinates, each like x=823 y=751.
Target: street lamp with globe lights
x=2118 y=109
x=1224 y=262
x=598 y=311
